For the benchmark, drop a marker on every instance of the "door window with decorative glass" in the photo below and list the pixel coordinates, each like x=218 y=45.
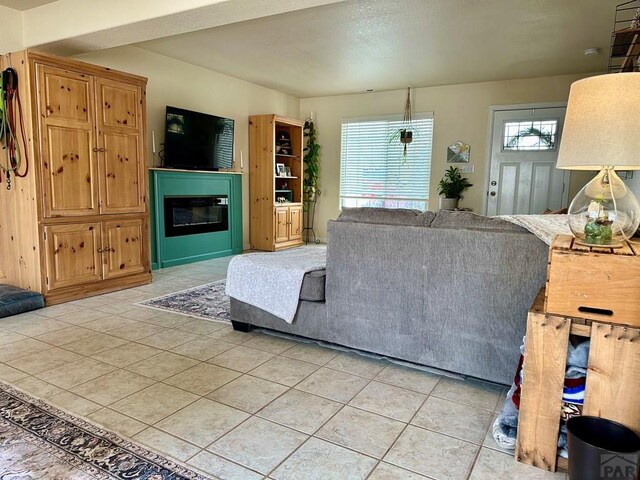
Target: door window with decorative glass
x=374 y=172
x=534 y=135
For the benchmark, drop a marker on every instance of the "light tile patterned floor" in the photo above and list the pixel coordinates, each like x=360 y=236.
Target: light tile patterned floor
x=251 y=406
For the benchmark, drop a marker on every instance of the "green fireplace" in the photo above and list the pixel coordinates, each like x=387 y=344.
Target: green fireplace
x=194 y=216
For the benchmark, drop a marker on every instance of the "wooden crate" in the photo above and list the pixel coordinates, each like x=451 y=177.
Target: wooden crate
x=594 y=283
x=612 y=388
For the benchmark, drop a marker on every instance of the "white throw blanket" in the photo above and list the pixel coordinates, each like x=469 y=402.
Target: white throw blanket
x=545 y=227
x=272 y=281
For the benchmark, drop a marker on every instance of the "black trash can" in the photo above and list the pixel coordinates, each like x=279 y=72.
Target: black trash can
x=600 y=449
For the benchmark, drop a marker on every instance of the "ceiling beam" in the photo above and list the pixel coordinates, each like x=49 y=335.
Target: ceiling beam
x=70 y=27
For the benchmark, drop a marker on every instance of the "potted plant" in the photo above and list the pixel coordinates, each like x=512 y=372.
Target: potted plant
x=311 y=181
x=451 y=187
x=406 y=136
x=405 y=132
x=311 y=162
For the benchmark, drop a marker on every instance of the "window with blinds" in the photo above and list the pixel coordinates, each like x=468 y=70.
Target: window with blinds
x=373 y=171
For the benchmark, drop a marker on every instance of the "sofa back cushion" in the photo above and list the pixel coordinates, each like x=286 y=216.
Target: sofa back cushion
x=473 y=221
x=453 y=298
x=386 y=216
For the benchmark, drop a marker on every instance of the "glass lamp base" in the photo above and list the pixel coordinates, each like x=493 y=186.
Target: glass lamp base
x=605 y=212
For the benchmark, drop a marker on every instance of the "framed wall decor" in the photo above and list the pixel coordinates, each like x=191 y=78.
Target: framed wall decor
x=280 y=171
x=458 y=152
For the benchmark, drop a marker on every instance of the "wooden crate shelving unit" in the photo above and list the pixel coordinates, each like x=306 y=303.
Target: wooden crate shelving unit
x=596 y=283
x=613 y=376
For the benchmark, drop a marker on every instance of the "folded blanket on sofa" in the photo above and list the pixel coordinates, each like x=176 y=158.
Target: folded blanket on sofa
x=272 y=281
x=545 y=227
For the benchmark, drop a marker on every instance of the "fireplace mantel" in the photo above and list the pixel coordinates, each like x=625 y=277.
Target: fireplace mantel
x=225 y=235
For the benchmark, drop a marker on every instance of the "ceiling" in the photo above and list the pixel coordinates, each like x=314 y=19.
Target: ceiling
x=357 y=45
x=25 y=4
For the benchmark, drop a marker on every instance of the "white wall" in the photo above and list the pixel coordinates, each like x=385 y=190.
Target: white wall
x=11 y=33
x=180 y=84
x=461 y=112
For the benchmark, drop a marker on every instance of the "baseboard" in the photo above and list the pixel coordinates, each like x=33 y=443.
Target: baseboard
x=77 y=292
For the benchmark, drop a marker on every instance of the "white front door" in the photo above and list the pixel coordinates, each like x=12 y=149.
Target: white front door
x=523 y=178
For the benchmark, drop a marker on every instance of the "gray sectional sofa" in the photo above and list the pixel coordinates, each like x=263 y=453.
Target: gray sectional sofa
x=449 y=290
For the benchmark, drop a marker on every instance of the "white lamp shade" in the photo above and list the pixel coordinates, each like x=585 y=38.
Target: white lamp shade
x=602 y=124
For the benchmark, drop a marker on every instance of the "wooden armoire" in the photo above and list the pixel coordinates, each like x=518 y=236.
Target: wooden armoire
x=78 y=223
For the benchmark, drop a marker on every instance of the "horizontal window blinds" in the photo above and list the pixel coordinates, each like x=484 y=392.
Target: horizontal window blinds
x=373 y=170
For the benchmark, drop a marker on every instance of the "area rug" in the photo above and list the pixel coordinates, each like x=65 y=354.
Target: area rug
x=208 y=302
x=38 y=440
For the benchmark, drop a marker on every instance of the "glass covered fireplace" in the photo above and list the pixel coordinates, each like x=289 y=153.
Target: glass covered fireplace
x=189 y=215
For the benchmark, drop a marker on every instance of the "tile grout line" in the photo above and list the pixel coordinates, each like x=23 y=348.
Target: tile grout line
x=323 y=424
x=249 y=374
x=252 y=415
x=404 y=430
x=477 y=455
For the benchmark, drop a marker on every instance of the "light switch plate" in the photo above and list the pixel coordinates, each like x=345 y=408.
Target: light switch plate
x=467 y=168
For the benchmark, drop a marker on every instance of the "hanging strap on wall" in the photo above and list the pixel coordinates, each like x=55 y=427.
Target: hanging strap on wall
x=10 y=117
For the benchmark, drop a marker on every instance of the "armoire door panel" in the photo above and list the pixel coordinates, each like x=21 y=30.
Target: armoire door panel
x=72 y=256
x=119 y=105
x=69 y=172
x=65 y=96
x=121 y=174
x=124 y=246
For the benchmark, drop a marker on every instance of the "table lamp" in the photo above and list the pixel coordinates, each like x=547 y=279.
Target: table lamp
x=602 y=132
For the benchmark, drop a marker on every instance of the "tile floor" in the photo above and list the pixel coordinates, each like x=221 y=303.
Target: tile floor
x=251 y=406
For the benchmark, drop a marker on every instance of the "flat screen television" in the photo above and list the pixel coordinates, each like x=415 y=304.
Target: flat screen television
x=197 y=141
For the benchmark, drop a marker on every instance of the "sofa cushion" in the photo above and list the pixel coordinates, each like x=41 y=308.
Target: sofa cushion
x=14 y=300
x=386 y=216
x=470 y=220
x=313 y=286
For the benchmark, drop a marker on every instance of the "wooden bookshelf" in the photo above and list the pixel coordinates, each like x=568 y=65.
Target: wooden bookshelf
x=275 y=225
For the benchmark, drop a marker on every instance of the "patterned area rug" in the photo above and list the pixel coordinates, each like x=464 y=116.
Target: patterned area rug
x=39 y=441
x=208 y=302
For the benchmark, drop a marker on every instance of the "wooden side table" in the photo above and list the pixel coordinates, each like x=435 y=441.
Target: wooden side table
x=612 y=386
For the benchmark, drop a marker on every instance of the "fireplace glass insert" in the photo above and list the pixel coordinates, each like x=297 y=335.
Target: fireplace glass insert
x=191 y=215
